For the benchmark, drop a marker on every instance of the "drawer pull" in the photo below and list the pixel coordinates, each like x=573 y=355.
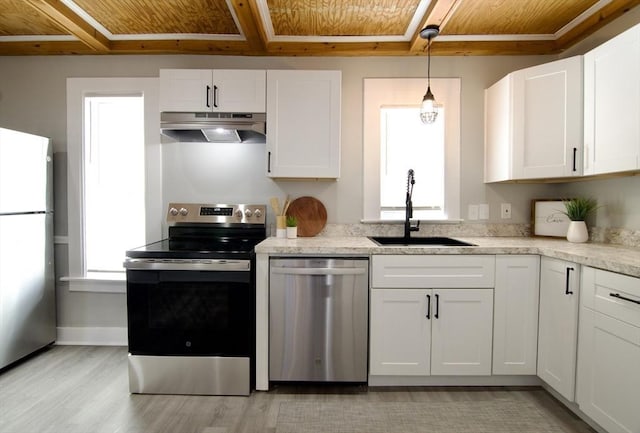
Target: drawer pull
x=437 y=306
x=566 y=289
x=428 y=306
x=619 y=296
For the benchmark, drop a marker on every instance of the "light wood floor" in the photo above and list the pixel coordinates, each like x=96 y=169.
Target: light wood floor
x=84 y=389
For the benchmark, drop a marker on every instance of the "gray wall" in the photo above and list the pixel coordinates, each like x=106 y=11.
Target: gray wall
x=33 y=93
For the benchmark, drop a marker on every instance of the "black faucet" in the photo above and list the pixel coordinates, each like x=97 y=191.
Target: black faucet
x=408 y=228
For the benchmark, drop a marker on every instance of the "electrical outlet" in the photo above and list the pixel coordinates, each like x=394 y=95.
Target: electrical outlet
x=505 y=211
x=483 y=211
x=473 y=212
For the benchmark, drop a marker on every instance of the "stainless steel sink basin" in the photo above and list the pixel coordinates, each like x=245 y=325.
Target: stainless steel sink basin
x=425 y=241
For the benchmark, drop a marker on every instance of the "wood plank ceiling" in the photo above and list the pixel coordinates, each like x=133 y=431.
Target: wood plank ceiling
x=299 y=27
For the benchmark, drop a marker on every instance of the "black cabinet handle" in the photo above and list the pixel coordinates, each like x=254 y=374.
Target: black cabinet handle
x=619 y=296
x=269 y=162
x=575 y=151
x=566 y=289
x=215 y=96
x=428 y=306
x=437 y=306
x=208 y=93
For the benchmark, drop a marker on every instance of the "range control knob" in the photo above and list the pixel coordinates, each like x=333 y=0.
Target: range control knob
x=248 y=213
x=239 y=214
x=183 y=211
x=257 y=213
x=173 y=211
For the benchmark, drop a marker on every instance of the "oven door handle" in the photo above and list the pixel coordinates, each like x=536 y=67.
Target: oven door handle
x=187 y=265
x=318 y=271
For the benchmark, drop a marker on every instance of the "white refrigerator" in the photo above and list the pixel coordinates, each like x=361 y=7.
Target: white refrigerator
x=27 y=292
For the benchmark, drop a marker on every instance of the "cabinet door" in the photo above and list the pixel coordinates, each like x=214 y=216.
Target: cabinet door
x=239 y=91
x=608 y=387
x=515 y=316
x=400 y=332
x=462 y=329
x=187 y=90
x=303 y=136
x=498 y=131
x=612 y=105
x=558 y=324
x=547 y=120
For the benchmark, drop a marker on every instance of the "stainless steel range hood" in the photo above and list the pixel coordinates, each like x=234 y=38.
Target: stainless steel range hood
x=214 y=127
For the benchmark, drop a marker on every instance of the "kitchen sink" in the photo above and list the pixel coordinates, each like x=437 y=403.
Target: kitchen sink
x=434 y=241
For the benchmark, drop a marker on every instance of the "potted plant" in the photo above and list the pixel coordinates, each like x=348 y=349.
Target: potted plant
x=292 y=227
x=577 y=209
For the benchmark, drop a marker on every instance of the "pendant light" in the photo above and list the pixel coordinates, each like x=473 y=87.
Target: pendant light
x=429 y=108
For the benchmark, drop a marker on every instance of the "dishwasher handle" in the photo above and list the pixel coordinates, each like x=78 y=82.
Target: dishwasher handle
x=318 y=271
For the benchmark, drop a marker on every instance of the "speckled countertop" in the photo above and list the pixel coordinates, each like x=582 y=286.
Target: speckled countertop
x=615 y=258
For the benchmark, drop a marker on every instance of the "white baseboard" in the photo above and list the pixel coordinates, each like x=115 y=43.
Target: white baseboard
x=497 y=380
x=92 y=336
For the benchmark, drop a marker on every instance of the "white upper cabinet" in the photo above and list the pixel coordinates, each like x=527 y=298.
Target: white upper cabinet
x=612 y=105
x=201 y=90
x=303 y=124
x=533 y=123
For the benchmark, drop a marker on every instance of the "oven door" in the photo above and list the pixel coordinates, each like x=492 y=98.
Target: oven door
x=181 y=308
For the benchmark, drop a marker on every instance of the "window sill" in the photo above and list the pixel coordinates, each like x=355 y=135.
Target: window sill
x=98 y=282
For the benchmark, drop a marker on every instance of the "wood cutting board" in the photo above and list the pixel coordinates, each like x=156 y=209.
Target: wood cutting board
x=310 y=213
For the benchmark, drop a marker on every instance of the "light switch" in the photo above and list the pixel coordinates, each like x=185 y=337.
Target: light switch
x=483 y=211
x=473 y=212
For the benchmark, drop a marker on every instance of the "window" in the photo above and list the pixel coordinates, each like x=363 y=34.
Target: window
x=406 y=143
x=395 y=141
x=113 y=177
x=113 y=149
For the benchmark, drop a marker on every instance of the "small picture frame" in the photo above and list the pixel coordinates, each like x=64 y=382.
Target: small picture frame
x=548 y=219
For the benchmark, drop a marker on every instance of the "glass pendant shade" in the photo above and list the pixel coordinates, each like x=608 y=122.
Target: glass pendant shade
x=428 y=108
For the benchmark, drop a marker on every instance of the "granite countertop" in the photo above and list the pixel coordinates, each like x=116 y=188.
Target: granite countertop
x=615 y=258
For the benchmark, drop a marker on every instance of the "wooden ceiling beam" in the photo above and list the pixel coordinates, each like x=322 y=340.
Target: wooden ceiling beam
x=251 y=23
x=235 y=48
x=69 y=21
x=603 y=16
x=44 y=48
x=183 y=46
x=337 y=49
x=438 y=14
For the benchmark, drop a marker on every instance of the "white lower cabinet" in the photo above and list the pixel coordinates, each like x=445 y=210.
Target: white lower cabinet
x=421 y=332
x=400 y=332
x=461 y=332
x=608 y=383
x=558 y=324
x=418 y=330
x=515 y=314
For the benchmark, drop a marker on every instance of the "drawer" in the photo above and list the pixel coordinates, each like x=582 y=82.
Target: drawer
x=615 y=295
x=432 y=271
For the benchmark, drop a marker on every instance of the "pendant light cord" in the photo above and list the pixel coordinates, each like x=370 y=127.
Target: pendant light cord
x=429 y=62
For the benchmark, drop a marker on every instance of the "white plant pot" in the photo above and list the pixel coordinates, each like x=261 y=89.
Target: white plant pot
x=577 y=232
x=292 y=232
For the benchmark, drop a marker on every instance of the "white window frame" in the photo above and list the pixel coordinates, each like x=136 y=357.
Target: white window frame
x=380 y=92
x=77 y=89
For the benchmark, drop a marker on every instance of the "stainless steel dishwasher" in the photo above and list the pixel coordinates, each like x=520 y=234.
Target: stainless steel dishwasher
x=318 y=319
